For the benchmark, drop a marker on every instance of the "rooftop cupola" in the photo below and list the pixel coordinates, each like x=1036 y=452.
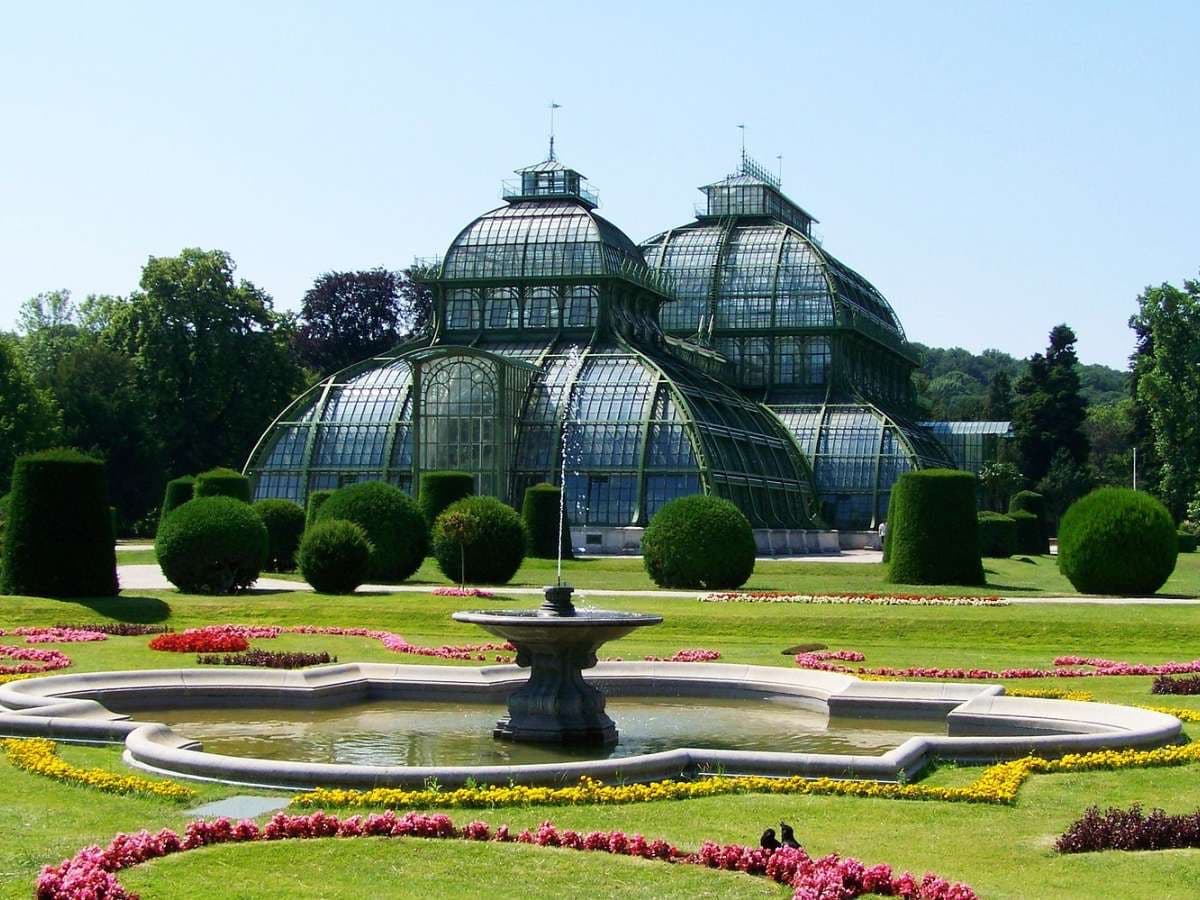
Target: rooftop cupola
x=550 y=180
x=752 y=191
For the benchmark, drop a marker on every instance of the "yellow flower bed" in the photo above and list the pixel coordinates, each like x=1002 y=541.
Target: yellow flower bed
x=1183 y=715
x=40 y=756
x=5 y=679
x=997 y=784
x=1049 y=694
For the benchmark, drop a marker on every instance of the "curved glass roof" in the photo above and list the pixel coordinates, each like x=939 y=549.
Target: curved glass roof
x=541 y=239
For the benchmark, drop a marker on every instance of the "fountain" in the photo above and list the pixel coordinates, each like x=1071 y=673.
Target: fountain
x=556 y=642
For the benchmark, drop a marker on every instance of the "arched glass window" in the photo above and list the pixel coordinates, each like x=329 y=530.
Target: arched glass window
x=459 y=420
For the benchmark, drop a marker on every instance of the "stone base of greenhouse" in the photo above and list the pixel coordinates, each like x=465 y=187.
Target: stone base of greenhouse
x=605 y=541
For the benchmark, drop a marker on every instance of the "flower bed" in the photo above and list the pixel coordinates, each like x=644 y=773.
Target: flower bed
x=34 y=660
x=89 y=874
x=267 y=659
x=40 y=756
x=850 y=599
x=1130 y=829
x=1165 y=684
x=461 y=592
x=1064 y=667
x=200 y=640
x=695 y=654
x=119 y=629
x=56 y=634
x=997 y=784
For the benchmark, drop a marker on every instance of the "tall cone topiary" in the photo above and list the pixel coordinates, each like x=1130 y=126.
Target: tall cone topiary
x=59 y=500
x=933 y=535
x=539 y=512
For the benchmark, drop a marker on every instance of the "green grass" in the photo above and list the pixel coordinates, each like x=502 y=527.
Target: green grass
x=1001 y=851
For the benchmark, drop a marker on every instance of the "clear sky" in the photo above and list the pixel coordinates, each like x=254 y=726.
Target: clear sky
x=993 y=168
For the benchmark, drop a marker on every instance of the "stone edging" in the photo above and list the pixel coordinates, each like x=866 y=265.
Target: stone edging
x=69 y=707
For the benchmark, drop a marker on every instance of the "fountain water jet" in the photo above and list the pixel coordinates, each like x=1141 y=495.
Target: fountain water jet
x=556 y=642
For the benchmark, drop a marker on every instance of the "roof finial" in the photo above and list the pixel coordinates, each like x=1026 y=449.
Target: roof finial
x=743 y=130
x=553 y=107
x=780 y=158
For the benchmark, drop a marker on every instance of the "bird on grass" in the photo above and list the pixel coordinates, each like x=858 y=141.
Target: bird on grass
x=767 y=841
x=788 y=836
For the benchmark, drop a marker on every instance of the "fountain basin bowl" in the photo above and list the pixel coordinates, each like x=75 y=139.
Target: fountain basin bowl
x=533 y=627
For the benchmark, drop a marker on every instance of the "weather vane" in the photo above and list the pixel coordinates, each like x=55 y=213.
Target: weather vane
x=553 y=106
x=743 y=130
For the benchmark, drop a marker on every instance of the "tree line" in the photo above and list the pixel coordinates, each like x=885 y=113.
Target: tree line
x=185 y=372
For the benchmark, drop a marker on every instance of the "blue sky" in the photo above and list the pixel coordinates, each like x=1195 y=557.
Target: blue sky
x=993 y=168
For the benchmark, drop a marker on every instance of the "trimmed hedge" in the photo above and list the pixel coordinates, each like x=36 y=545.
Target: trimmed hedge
x=392 y=521
x=58 y=538
x=539 y=512
x=439 y=489
x=212 y=545
x=3 y=519
x=178 y=492
x=285 y=525
x=933 y=534
x=480 y=540
x=1034 y=542
x=1187 y=541
x=699 y=541
x=223 y=483
x=313 y=507
x=1030 y=533
x=1117 y=541
x=997 y=535
x=335 y=556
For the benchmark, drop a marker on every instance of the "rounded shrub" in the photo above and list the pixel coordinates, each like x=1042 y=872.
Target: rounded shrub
x=932 y=529
x=58 y=537
x=439 y=489
x=479 y=540
x=178 y=492
x=1035 y=542
x=223 y=483
x=212 y=545
x=313 y=507
x=1117 y=541
x=1030 y=534
x=997 y=535
x=392 y=521
x=335 y=556
x=699 y=541
x=1187 y=540
x=285 y=524
x=539 y=512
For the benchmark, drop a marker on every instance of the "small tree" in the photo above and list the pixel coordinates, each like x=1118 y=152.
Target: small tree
x=1000 y=480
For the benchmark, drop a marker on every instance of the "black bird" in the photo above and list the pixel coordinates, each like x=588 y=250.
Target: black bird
x=789 y=836
x=767 y=841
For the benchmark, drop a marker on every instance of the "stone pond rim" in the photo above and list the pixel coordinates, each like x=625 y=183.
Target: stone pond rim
x=556 y=642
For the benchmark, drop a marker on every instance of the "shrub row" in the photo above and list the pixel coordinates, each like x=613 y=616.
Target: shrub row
x=1165 y=684
x=1130 y=829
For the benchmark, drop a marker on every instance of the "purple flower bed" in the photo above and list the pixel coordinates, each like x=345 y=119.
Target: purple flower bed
x=117 y=629
x=1164 y=684
x=1130 y=829
x=266 y=659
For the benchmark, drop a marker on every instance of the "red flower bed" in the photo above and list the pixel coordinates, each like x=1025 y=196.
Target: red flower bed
x=200 y=640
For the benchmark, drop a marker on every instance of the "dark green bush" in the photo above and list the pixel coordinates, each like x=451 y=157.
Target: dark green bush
x=315 y=499
x=1030 y=538
x=997 y=535
x=335 y=556
x=3 y=519
x=178 y=492
x=932 y=530
x=212 y=545
x=285 y=524
x=1033 y=541
x=392 y=521
x=480 y=540
x=540 y=512
x=1187 y=542
x=58 y=540
x=223 y=483
x=699 y=541
x=1117 y=541
x=439 y=489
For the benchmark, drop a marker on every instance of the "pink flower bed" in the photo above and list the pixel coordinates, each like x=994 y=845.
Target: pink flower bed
x=850 y=599
x=1064 y=667
x=90 y=873
x=57 y=635
x=461 y=592
x=33 y=660
x=696 y=654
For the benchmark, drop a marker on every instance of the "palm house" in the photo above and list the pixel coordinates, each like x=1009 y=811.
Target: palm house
x=731 y=356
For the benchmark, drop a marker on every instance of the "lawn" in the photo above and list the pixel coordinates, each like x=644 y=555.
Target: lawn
x=1002 y=851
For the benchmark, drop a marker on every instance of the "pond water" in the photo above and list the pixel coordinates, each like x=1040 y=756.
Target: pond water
x=423 y=733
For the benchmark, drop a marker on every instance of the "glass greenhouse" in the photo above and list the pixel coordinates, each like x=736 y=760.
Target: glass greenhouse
x=732 y=356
